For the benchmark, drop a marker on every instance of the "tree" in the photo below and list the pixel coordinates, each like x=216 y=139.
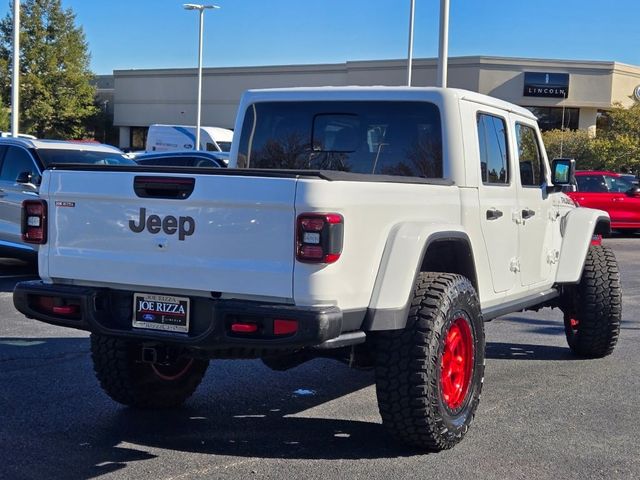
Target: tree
x=571 y=144
x=55 y=91
x=4 y=116
x=618 y=143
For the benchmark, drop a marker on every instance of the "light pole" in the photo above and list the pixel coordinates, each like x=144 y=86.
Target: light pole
x=15 y=81
x=443 y=50
x=412 y=12
x=200 y=9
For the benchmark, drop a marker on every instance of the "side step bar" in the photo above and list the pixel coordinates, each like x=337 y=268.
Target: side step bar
x=519 y=305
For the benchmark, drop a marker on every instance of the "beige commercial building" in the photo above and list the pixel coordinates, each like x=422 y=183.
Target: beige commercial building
x=573 y=93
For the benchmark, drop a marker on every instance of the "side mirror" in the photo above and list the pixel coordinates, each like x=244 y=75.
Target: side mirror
x=24 y=177
x=28 y=178
x=563 y=174
x=634 y=192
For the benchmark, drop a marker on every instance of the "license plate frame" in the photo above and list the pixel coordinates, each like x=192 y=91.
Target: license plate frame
x=167 y=313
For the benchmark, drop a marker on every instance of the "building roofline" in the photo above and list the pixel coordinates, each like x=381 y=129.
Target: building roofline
x=471 y=60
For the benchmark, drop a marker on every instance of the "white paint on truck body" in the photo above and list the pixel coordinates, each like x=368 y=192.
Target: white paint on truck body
x=244 y=240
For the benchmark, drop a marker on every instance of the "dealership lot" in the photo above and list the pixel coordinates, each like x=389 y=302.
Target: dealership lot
x=543 y=414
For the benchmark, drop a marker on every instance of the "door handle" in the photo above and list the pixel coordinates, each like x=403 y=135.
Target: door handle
x=527 y=213
x=493 y=214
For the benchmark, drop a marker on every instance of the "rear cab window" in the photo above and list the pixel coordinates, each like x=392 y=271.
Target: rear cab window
x=366 y=137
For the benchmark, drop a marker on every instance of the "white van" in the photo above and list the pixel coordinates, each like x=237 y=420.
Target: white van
x=164 y=138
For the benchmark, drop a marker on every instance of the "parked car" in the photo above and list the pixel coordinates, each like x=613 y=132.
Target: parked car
x=188 y=158
x=22 y=161
x=164 y=138
x=611 y=192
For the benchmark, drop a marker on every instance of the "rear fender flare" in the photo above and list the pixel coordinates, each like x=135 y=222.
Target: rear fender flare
x=399 y=268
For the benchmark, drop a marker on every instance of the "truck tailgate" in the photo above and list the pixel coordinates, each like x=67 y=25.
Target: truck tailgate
x=233 y=234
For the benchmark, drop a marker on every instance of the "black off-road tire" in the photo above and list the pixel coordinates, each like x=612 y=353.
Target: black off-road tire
x=127 y=380
x=593 y=308
x=409 y=364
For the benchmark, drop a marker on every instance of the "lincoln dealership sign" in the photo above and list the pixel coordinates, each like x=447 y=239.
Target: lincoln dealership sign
x=538 y=84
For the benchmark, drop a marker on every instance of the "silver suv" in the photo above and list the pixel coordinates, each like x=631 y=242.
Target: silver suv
x=22 y=161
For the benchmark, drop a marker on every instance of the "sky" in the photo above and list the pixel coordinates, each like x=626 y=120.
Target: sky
x=138 y=34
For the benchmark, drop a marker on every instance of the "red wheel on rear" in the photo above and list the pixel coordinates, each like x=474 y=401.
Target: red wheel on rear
x=456 y=367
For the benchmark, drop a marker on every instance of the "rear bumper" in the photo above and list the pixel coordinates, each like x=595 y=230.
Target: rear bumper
x=109 y=312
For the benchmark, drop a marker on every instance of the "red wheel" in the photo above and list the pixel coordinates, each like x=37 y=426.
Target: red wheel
x=456 y=366
x=429 y=375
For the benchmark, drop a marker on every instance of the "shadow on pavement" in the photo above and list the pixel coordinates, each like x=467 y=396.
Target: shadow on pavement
x=61 y=425
x=516 y=351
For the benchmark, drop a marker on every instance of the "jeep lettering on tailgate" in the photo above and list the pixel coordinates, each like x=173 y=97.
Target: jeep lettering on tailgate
x=185 y=226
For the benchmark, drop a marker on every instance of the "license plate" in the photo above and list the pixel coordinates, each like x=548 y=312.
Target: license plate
x=161 y=312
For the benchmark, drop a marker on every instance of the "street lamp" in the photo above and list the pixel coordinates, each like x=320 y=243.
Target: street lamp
x=15 y=82
x=200 y=9
x=412 y=11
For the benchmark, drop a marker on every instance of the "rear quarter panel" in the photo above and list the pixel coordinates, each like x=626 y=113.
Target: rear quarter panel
x=372 y=212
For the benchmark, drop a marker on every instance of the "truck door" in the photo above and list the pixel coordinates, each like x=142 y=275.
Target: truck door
x=535 y=208
x=497 y=197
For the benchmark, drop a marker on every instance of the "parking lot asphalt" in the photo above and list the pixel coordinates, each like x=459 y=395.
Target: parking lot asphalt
x=543 y=413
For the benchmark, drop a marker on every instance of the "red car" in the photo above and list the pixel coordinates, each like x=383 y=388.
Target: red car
x=611 y=192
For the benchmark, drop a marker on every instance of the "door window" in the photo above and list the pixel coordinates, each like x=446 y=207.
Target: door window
x=494 y=159
x=591 y=183
x=16 y=161
x=529 y=157
x=617 y=184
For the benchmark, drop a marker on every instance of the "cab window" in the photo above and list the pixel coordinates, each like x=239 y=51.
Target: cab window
x=494 y=159
x=529 y=156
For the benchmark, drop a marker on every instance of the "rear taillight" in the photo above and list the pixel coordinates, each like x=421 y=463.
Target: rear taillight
x=319 y=237
x=34 y=221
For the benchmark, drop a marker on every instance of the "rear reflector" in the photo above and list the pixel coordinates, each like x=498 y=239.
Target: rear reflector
x=244 y=327
x=34 y=221
x=65 y=310
x=57 y=306
x=319 y=237
x=285 y=327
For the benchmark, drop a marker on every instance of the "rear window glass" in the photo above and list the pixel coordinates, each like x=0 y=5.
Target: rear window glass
x=383 y=138
x=50 y=156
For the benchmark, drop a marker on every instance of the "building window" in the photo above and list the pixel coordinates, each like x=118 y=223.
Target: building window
x=138 y=139
x=603 y=120
x=550 y=118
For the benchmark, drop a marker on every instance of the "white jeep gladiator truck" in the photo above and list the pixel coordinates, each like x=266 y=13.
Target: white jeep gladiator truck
x=380 y=225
